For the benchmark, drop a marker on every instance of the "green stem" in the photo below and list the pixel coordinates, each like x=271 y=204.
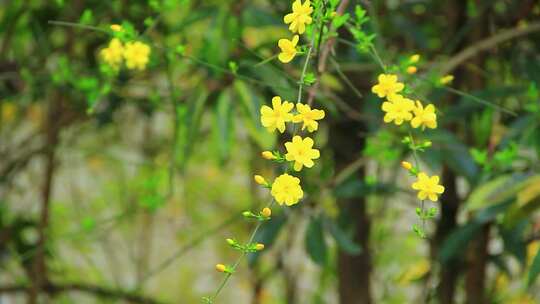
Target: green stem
x=417 y=165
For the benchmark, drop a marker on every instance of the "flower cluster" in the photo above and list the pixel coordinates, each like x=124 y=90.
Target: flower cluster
x=298 y=19
x=298 y=153
x=136 y=54
x=399 y=109
x=286 y=188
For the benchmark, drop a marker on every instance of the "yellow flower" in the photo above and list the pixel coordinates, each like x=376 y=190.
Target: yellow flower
x=286 y=189
x=387 y=86
x=276 y=117
x=412 y=70
x=259 y=180
x=446 y=79
x=288 y=49
x=300 y=151
x=424 y=117
x=137 y=55
x=299 y=17
x=116 y=27
x=113 y=54
x=266 y=212
x=308 y=117
x=428 y=187
x=398 y=109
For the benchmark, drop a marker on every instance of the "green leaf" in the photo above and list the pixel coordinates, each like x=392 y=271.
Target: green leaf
x=223 y=125
x=315 y=244
x=535 y=269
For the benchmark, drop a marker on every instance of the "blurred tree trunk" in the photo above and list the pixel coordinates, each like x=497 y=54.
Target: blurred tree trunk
x=447 y=223
x=39 y=268
x=477 y=251
x=353 y=270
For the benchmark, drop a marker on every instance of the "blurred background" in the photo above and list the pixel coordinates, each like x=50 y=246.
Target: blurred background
x=121 y=188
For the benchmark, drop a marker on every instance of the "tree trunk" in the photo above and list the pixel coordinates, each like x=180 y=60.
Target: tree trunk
x=353 y=270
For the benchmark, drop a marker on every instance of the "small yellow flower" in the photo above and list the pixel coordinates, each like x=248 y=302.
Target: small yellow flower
x=288 y=49
x=412 y=70
x=259 y=246
x=414 y=58
x=137 y=55
x=299 y=17
x=406 y=165
x=446 y=79
x=116 y=27
x=387 y=86
x=259 y=180
x=428 y=187
x=113 y=54
x=308 y=117
x=424 y=117
x=398 y=109
x=266 y=212
x=286 y=189
x=276 y=117
x=268 y=155
x=220 y=267
x=300 y=151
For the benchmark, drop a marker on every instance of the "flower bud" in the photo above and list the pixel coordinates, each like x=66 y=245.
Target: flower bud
x=427 y=144
x=246 y=214
x=414 y=58
x=116 y=27
x=406 y=165
x=230 y=242
x=220 y=267
x=266 y=212
x=446 y=79
x=268 y=155
x=259 y=246
x=412 y=70
x=259 y=180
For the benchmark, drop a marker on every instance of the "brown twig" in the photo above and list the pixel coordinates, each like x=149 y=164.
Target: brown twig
x=100 y=291
x=488 y=43
x=323 y=55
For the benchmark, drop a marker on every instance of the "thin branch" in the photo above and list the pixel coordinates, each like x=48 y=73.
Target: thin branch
x=100 y=291
x=488 y=43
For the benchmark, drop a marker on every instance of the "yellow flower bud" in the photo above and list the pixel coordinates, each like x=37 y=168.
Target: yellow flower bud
x=268 y=155
x=116 y=27
x=414 y=58
x=230 y=241
x=220 y=267
x=266 y=212
x=259 y=246
x=333 y=14
x=412 y=69
x=259 y=180
x=406 y=165
x=446 y=79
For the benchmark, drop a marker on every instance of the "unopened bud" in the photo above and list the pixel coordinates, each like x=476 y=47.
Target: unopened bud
x=412 y=69
x=230 y=241
x=259 y=246
x=414 y=58
x=259 y=180
x=406 y=165
x=268 y=155
x=266 y=212
x=116 y=27
x=220 y=267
